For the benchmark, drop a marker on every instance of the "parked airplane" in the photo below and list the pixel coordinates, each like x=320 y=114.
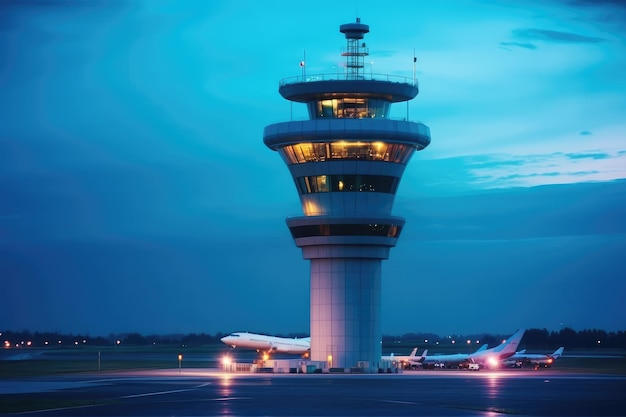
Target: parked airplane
x=538 y=359
x=484 y=357
x=452 y=359
x=269 y=344
x=406 y=361
x=491 y=358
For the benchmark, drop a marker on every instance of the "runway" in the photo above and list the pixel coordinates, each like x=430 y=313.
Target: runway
x=193 y=392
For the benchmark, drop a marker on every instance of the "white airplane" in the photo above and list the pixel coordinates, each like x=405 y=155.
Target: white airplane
x=491 y=358
x=268 y=344
x=406 y=361
x=484 y=357
x=450 y=359
x=538 y=359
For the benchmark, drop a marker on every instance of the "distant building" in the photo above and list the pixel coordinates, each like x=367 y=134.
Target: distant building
x=346 y=162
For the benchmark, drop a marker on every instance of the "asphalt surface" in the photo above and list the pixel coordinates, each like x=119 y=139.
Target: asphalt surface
x=196 y=392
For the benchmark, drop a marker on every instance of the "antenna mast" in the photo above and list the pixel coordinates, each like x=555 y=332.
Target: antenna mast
x=356 y=51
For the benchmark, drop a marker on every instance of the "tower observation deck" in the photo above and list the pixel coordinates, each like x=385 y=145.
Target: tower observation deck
x=346 y=162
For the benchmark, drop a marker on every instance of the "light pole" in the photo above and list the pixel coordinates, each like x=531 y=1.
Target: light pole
x=180 y=361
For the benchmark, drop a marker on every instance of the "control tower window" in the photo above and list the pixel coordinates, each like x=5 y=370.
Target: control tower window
x=369 y=151
x=347 y=183
x=353 y=108
x=381 y=230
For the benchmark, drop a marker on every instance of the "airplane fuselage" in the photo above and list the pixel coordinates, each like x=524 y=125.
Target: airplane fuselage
x=265 y=343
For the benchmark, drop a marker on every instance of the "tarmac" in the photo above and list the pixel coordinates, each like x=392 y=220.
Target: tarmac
x=201 y=391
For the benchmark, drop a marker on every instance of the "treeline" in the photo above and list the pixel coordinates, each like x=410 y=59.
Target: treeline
x=533 y=339
x=50 y=339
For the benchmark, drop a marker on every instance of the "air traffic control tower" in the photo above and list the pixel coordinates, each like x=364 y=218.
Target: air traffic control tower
x=346 y=162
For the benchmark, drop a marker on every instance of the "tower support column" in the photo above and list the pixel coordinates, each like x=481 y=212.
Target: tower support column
x=346 y=312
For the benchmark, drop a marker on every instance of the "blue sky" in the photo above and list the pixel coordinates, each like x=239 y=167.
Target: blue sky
x=136 y=193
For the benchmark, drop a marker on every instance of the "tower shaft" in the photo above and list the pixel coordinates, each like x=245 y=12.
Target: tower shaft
x=345 y=311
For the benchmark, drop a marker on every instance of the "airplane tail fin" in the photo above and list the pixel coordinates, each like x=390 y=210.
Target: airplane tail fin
x=422 y=357
x=413 y=352
x=557 y=353
x=483 y=347
x=510 y=345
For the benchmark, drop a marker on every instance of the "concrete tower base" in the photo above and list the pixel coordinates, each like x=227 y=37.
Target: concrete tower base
x=345 y=312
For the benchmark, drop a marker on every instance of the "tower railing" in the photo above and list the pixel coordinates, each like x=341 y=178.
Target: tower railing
x=343 y=77
x=396 y=118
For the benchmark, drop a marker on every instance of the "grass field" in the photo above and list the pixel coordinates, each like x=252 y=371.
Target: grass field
x=94 y=359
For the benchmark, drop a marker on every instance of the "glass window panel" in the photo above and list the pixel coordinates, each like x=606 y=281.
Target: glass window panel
x=320 y=151
x=322 y=184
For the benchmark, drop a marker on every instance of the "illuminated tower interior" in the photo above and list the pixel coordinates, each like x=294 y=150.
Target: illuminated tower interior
x=346 y=162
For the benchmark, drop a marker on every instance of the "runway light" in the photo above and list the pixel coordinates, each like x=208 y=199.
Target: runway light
x=493 y=362
x=226 y=361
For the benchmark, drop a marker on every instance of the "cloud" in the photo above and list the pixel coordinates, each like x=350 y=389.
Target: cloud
x=553 y=168
x=585 y=133
x=463 y=174
x=553 y=36
x=597 y=155
x=524 y=45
